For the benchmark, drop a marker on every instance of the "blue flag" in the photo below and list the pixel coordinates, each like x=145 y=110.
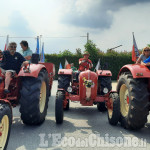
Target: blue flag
x=147 y=60
x=42 y=54
x=60 y=66
x=37 y=46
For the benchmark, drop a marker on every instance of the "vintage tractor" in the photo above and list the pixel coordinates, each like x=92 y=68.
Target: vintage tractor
x=132 y=99
x=31 y=89
x=87 y=87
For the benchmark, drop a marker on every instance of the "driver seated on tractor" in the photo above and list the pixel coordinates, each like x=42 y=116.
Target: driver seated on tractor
x=145 y=54
x=11 y=63
x=84 y=64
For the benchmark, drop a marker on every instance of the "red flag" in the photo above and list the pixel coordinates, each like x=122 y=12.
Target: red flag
x=135 y=51
x=7 y=42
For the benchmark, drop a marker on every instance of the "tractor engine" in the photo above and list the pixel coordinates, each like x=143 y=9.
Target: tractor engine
x=87 y=87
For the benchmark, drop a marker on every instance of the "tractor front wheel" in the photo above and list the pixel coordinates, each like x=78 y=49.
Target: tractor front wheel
x=5 y=125
x=59 y=112
x=113 y=110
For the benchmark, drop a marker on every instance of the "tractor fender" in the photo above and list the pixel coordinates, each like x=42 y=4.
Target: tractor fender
x=65 y=71
x=103 y=73
x=137 y=71
x=34 y=70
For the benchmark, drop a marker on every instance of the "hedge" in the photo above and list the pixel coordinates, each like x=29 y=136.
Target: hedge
x=114 y=61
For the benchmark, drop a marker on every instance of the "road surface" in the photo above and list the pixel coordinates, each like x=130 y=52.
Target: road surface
x=83 y=128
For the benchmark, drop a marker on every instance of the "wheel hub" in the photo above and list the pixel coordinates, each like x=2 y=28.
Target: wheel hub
x=4 y=127
x=42 y=97
x=124 y=100
x=110 y=108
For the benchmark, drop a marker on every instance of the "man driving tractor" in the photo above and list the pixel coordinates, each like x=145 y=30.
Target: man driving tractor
x=11 y=63
x=85 y=63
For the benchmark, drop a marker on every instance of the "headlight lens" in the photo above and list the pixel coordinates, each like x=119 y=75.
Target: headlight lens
x=69 y=89
x=105 y=90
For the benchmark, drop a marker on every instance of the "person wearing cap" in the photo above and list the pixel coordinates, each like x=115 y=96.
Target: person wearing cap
x=11 y=63
x=85 y=63
x=145 y=54
x=25 y=52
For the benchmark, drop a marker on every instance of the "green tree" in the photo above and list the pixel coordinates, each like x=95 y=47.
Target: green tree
x=92 y=49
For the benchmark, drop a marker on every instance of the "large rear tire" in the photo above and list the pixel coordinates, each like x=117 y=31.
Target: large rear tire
x=113 y=111
x=59 y=112
x=34 y=98
x=5 y=125
x=64 y=81
x=134 y=101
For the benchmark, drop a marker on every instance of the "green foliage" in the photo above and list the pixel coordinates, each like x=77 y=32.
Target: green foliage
x=92 y=49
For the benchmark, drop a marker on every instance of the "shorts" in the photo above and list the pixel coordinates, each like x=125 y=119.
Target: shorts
x=13 y=72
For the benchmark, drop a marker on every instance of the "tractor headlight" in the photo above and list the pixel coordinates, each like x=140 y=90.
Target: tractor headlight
x=69 y=89
x=105 y=90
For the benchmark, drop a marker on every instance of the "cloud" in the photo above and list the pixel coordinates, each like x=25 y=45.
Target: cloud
x=18 y=25
x=94 y=14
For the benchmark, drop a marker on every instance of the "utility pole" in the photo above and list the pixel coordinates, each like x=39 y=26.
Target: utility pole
x=87 y=36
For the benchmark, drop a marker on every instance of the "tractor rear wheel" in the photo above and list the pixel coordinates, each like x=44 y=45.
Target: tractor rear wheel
x=134 y=101
x=59 y=112
x=5 y=125
x=113 y=111
x=34 y=98
x=101 y=106
x=64 y=81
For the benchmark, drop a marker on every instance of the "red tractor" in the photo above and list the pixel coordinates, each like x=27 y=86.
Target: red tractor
x=132 y=100
x=88 y=88
x=31 y=89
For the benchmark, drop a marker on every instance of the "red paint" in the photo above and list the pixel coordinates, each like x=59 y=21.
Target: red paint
x=88 y=75
x=136 y=68
x=128 y=99
x=65 y=71
x=103 y=73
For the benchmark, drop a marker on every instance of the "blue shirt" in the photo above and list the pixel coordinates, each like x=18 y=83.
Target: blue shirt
x=25 y=53
x=12 y=62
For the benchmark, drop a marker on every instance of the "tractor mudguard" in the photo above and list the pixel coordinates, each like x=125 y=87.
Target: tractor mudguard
x=65 y=71
x=34 y=70
x=103 y=73
x=137 y=71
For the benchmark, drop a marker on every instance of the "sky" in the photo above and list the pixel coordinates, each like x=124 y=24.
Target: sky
x=63 y=24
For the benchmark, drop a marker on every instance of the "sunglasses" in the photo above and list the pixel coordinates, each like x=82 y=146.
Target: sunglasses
x=13 y=46
x=146 y=50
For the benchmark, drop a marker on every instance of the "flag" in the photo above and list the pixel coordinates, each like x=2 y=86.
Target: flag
x=60 y=66
x=66 y=63
x=37 y=46
x=7 y=43
x=42 y=54
x=98 y=65
x=135 y=51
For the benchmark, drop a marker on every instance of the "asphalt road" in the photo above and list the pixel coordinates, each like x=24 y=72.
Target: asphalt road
x=83 y=128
